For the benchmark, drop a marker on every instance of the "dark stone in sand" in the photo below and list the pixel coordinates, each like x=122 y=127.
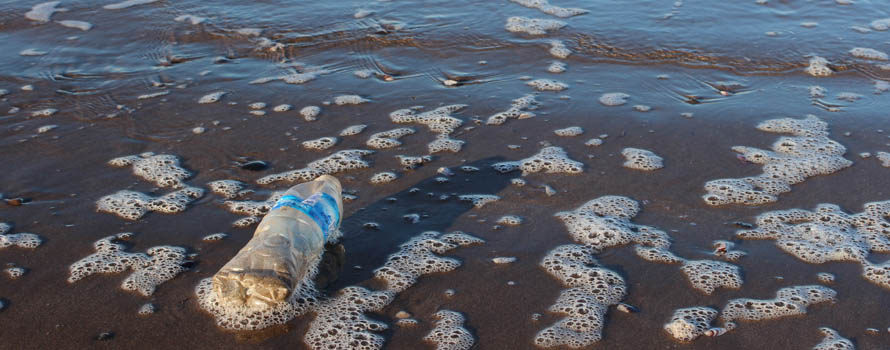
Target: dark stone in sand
x=15 y=202
x=255 y=165
x=104 y=336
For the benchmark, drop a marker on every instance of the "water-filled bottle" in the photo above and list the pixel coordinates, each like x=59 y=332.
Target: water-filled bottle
x=286 y=246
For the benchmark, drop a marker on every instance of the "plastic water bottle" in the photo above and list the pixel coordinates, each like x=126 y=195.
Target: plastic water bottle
x=286 y=246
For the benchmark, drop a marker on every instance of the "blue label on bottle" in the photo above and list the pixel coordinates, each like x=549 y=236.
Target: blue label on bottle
x=321 y=207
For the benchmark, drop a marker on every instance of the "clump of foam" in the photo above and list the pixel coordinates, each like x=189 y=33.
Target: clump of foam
x=556 y=67
x=518 y=109
x=809 y=152
x=594 y=142
x=338 y=162
x=479 y=200
x=884 y=158
x=558 y=49
x=340 y=322
x=353 y=130
x=42 y=12
x=444 y=143
x=310 y=113
x=15 y=272
x=819 y=67
x=343 y=100
x=419 y=256
x=212 y=97
x=449 y=333
x=383 y=178
x=146 y=309
x=829 y=234
x=257 y=105
x=194 y=20
x=253 y=209
x=591 y=290
x=641 y=159
x=126 y=4
x=214 y=237
x=550 y=159
x=869 y=54
x=46 y=112
x=825 y=277
x=532 y=26
x=833 y=341
x=510 y=220
x=388 y=139
x=133 y=205
x=545 y=7
x=412 y=162
x=690 y=323
x=226 y=188
x=789 y=301
x=439 y=120
x=21 y=240
x=570 y=131
x=321 y=143
x=708 y=275
x=614 y=98
x=547 y=85
x=150 y=269
x=162 y=169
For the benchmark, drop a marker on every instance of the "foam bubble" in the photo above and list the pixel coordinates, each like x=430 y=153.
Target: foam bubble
x=418 y=257
x=789 y=301
x=302 y=78
x=42 y=12
x=126 y=4
x=690 y=323
x=162 y=169
x=321 y=143
x=227 y=188
x=833 y=341
x=614 y=98
x=641 y=159
x=884 y=157
x=510 y=220
x=407 y=322
x=819 y=67
x=825 y=277
x=257 y=105
x=558 y=49
x=849 y=96
x=21 y=240
x=146 y=309
x=479 y=200
x=881 y=24
x=150 y=269
x=32 y=52
x=868 y=54
x=132 y=205
x=449 y=333
x=550 y=159
x=388 y=139
x=547 y=85
x=340 y=161
x=383 y=178
x=412 y=162
x=212 y=97
x=545 y=7
x=253 y=209
x=214 y=237
x=439 y=120
x=591 y=290
x=444 y=143
x=343 y=100
x=532 y=26
x=708 y=275
x=153 y=95
x=310 y=113
x=518 y=109
x=594 y=142
x=570 y=131
x=642 y=108
x=353 y=130
x=340 y=322
x=46 y=112
x=194 y=20
x=809 y=152
x=15 y=272
x=556 y=67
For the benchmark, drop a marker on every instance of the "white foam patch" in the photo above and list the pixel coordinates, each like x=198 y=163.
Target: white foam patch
x=641 y=159
x=789 y=301
x=257 y=105
x=557 y=67
x=829 y=234
x=212 y=97
x=353 y=130
x=150 y=269
x=420 y=256
x=545 y=7
x=532 y=26
x=547 y=85
x=880 y=24
x=569 y=132
x=708 y=275
x=21 y=240
x=46 y=112
x=690 y=323
x=819 y=67
x=84 y=26
x=343 y=100
x=591 y=290
x=449 y=333
x=15 y=272
x=42 y=12
x=558 y=49
x=868 y=54
x=310 y=113
x=825 y=278
x=32 y=52
x=126 y=4
x=642 y=108
x=153 y=95
x=594 y=142
x=146 y=309
x=443 y=143
x=227 y=188
x=614 y=99
x=808 y=152
x=194 y=20
x=550 y=160
x=383 y=178
x=833 y=341
x=479 y=200
x=510 y=220
x=162 y=169
x=518 y=110
x=302 y=78
x=340 y=322
x=213 y=237
x=388 y=139
x=321 y=143
x=412 y=162
x=253 y=209
x=340 y=161
x=132 y=205
x=439 y=120
x=884 y=158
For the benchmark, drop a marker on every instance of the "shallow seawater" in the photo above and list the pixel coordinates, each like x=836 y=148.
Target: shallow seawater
x=698 y=78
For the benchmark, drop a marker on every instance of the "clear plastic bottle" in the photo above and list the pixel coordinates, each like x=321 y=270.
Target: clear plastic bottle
x=285 y=248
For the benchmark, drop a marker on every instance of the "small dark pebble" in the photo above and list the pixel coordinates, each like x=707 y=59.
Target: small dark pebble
x=255 y=165
x=15 y=202
x=104 y=336
x=743 y=224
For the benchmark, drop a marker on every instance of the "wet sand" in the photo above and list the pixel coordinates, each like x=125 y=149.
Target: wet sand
x=63 y=172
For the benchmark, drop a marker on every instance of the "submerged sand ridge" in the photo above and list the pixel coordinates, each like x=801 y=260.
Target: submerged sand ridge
x=424 y=113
